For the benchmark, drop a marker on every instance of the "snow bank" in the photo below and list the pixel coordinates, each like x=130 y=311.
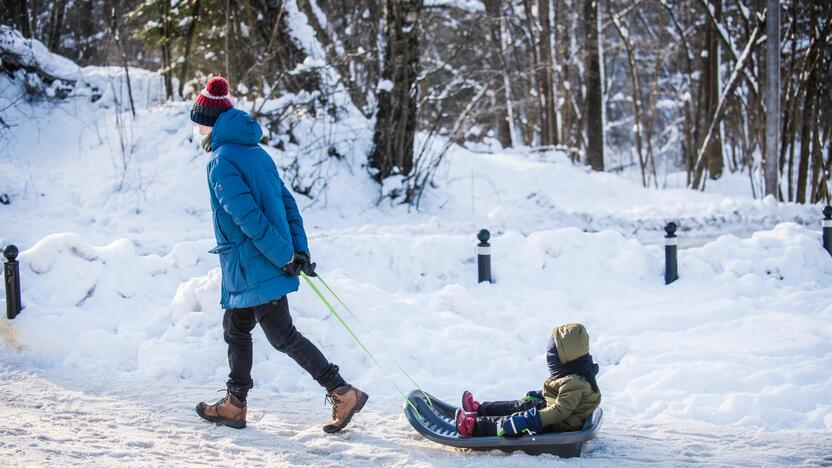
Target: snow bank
x=525 y=191
x=105 y=84
x=32 y=53
x=742 y=338
x=91 y=307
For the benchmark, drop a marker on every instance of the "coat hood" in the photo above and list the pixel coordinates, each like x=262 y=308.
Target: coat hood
x=235 y=126
x=571 y=341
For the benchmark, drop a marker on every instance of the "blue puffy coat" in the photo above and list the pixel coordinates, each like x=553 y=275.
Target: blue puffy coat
x=256 y=220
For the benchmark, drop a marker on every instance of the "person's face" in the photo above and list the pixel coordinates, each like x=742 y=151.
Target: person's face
x=203 y=130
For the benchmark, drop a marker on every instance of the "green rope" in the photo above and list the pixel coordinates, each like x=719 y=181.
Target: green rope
x=374 y=339
x=357 y=340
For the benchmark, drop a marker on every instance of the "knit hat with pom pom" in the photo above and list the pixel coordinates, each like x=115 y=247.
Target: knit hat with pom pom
x=212 y=101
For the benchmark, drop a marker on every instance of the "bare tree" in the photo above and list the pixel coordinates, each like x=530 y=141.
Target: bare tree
x=730 y=87
x=635 y=94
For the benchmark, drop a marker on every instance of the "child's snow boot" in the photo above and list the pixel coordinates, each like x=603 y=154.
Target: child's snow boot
x=465 y=423
x=228 y=411
x=346 y=401
x=469 y=404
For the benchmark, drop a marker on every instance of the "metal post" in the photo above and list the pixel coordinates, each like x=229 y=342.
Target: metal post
x=671 y=268
x=11 y=272
x=827 y=229
x=484 y=256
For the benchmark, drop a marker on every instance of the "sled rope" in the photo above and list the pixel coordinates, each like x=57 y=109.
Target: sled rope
x=360 y=323
x=357 y=340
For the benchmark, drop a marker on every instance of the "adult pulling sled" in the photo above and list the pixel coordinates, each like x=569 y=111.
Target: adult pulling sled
x=436 y=422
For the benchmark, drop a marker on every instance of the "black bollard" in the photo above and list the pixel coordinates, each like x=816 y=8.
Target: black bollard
x=671 y=268
x=484 y=256
x=827 y=229
x=11 y=272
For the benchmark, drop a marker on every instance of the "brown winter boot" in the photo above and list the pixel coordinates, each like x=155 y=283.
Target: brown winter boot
x=346 y=401
x=228 y=411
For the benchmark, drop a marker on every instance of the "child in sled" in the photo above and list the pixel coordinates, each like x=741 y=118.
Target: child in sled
x=569 y=396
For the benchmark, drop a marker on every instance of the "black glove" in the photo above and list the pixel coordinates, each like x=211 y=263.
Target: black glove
x=300 y=263
x=306 y=265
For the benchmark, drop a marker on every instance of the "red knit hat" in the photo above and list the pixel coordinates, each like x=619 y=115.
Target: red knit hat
x=212 y=101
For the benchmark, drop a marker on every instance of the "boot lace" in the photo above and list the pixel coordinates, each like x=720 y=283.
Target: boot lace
x=223 y=399
x=333 y=400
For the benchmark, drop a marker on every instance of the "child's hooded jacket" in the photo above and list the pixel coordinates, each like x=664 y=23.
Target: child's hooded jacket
x=570 y=399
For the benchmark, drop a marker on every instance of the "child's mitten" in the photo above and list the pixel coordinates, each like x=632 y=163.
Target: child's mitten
x=527 y=422
x=533 y=395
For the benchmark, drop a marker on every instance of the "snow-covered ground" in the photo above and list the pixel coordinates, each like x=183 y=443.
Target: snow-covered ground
x=61 y=420
x=121 y=334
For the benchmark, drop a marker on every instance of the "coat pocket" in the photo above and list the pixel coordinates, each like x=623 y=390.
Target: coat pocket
x=257 y=267
x=233 y=275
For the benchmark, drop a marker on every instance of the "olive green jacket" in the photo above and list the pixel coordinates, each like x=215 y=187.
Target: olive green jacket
x=570 y=399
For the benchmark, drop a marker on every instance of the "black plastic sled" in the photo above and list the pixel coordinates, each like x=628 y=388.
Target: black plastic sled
x=437 y=424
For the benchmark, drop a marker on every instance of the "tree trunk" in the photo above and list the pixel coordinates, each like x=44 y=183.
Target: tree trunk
x=20 y=17
x=809 y=127
x=817 y=158
x=710 y=76
x=189 y=36
x=594 y=111
x=821 y=135
x=548 y=118
x=86 y=32
x=772 y=92
x=494 y=10
x=533 y=94
x=164 y=18
x=823 y=184
x=807 y=119
x=788 y=118
x=395 y=128
x=56 y=25
x=227 y=35
x=563 y=36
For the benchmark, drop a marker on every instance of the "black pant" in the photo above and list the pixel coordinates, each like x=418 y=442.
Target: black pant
x=491 y=413
x=276 y=322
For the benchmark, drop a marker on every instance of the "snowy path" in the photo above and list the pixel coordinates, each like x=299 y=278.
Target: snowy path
x=56 y=418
